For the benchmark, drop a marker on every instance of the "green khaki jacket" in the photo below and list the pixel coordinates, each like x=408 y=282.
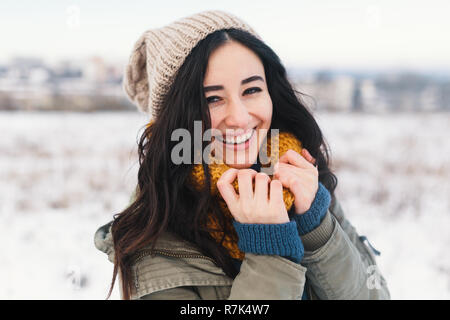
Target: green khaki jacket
x=337 y=265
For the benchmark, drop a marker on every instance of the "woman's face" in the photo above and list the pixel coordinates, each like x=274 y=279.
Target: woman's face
x=239 y=103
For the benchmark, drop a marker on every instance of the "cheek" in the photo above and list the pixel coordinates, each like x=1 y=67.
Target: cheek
x=265 y=109
x=215 y=120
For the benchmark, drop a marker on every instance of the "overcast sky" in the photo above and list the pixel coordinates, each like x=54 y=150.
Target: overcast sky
x=309 y=34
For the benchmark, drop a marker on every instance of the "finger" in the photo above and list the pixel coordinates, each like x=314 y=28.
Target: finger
x=285 y=174
x=225 y=186
x=245 y=183
x=276 y=191
x=295 y=159
x=287 y=168
x=308 y=156
x=262 y=187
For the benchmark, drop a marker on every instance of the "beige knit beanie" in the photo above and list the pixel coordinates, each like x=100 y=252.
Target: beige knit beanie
x=159 y=53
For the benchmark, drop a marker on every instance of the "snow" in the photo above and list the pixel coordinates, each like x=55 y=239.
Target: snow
x=62 y=175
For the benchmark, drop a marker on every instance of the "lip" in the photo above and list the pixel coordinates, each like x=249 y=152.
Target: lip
x=236 y=135
x=241 y=146
x=239 y=134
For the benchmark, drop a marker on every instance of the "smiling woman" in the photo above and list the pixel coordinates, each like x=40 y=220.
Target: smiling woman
x=230 y=230
x=239 y=108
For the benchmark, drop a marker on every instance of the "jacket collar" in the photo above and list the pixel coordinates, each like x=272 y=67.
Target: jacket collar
x=168 y=243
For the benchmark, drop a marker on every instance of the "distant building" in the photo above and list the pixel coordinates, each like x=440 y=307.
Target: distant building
x=95 y=70
x=371 y=98
x=27 y=83
x=332 y=93
x=429 y=98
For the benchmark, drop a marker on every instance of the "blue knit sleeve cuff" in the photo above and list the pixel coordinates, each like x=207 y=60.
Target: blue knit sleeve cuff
x=311 y=219
x=270 y=239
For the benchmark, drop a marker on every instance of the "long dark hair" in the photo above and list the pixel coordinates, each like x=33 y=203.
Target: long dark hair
x=164 y=199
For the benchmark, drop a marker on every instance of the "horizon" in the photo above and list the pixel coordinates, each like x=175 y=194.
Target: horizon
x=435 y=72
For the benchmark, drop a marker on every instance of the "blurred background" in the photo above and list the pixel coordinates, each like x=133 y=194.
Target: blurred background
x=377 y=79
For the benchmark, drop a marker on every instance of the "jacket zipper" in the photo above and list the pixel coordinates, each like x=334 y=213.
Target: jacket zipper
x=168 y=253
x=146 y=252
x=185 y=255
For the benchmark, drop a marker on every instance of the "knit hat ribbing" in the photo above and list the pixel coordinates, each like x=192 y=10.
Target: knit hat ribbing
x=159 y=53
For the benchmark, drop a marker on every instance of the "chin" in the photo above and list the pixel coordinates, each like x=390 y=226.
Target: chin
x=243 y=164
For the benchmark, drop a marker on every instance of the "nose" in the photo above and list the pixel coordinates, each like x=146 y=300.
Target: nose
x=237 y=115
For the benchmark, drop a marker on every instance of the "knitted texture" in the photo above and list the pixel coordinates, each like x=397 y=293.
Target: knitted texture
x=311 y=219
x=276 y=145
x=159 y=53
x=272 y=239
x=285 y=141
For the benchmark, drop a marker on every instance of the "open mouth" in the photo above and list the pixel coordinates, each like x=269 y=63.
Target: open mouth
x=239 y=140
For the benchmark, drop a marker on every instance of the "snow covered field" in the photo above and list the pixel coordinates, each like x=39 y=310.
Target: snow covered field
x=62 y=175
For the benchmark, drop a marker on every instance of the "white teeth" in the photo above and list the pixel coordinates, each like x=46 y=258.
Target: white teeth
x=239 y=139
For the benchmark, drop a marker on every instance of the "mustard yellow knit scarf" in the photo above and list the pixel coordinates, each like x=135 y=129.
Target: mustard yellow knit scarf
x=197 y=178
x=285 y=141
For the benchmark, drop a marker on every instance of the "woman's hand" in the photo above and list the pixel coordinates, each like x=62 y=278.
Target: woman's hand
x=263 y=206
x=300 y=176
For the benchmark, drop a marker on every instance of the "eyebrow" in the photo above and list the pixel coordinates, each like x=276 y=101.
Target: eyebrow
x=218 y=87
